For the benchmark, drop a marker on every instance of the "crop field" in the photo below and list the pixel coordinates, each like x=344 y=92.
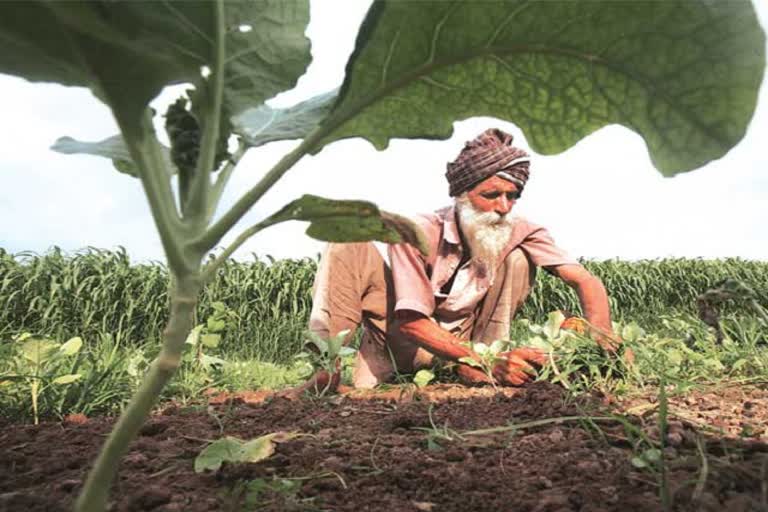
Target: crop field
x=682 y=427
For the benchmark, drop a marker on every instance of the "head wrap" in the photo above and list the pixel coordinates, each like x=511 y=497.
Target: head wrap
x=490 y=153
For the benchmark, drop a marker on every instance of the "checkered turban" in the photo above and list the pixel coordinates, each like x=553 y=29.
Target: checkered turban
x=490 y=153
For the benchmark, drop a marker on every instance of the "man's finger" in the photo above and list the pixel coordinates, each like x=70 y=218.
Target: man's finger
x=629 y=356
x=532 y=354
x=509 y=376
x=515 y=362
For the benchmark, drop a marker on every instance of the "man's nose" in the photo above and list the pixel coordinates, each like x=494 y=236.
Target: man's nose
x=503 y=205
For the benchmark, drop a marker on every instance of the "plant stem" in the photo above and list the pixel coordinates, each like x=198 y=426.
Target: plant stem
x=197 y=206
x=211 y=237
x=666 y=499
x=93 y=497
x=210 y=269
x=703 y=474
x=536 y=423
x=35 y=387
x=145 y=151
x=223 y=179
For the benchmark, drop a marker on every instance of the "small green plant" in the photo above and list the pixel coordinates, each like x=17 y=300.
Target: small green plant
x=208 y=335
x=489 y=356
x=255 y=493
x=41 y=363
x=423 y=377
x=576 y=361
x=326 y=355
x=435 y=435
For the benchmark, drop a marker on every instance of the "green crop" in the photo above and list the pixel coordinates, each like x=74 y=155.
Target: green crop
x=488 y=355
x=41 y=363
x=326 y=355
x=527 y=63
x=94 y=292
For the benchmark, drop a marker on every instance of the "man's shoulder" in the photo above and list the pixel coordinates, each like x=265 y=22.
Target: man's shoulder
x=433 y=219
x=524 y=224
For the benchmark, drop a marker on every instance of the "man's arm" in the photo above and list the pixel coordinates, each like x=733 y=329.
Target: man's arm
x=593 y=298
x=430 y=336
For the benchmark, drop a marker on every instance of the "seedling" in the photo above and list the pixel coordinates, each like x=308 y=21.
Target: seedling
x=326 y=355
x=423 y=378
x=253 y=493
x=575 y=360
x=436 y=435
x=489 y=356
x=40 y=364
x=208 y=336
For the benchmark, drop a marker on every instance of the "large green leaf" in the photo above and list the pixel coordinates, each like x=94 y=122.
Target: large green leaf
x=126 y=52
x=682 y=73
x=267 y=50
x=350 y=221
x=261 y=125
x=113 y=148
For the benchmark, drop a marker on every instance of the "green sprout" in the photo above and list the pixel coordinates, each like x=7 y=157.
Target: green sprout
x=489 y=355
x=326 y=355
x=41 y=363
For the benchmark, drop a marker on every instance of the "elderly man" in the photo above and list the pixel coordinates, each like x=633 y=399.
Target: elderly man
x=480 y=269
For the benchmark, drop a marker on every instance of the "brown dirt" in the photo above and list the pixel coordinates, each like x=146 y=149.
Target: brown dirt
x=366 y=452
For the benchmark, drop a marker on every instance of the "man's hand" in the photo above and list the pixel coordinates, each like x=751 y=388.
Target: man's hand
x=320 y=382
x=518 y=368
x=611 y=343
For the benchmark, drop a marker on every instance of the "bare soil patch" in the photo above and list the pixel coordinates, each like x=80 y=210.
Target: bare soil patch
x=367 y=451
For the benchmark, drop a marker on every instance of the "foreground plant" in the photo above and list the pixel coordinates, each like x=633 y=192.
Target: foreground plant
x=560 y=71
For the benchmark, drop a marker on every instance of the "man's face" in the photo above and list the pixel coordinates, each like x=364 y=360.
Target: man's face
x=494 y=194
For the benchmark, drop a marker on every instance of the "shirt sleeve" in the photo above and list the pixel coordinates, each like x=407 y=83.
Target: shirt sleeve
x=541 y=248
x=411 y=271
x=413 y=290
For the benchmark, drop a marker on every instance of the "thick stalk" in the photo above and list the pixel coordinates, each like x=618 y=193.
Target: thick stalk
x=93 y=497
x=145 y=151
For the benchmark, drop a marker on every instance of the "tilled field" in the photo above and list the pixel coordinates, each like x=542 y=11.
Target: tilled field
x=413 y=451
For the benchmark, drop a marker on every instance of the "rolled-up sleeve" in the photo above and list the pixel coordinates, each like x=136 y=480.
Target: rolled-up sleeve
x=413 y=290
x=541 y=248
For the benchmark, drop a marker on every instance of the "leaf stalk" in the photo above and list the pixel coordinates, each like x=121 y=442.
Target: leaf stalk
x=197 y=206
x=215 y=233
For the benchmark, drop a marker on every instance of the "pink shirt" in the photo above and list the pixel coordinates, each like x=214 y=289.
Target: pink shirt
x=418 y=281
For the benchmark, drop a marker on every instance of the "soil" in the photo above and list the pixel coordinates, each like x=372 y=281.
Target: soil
x=407 y=450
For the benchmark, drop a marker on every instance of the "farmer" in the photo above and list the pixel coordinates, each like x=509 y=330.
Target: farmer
x=480 y=269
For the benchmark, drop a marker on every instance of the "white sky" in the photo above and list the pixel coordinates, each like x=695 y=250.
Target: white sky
x=600 y=199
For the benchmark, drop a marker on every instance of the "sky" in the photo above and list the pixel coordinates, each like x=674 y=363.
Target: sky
x=601 y=199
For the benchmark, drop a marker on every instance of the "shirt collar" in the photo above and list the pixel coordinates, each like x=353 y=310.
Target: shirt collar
x=450 y=226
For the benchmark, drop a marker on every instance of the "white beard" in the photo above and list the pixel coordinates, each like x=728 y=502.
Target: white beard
x=486 y=234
